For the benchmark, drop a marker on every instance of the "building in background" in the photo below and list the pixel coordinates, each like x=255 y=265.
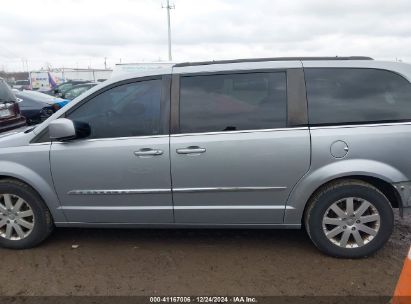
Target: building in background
x=12 y=77
x=40 y=80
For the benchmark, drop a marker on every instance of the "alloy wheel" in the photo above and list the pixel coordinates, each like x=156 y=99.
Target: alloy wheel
x=351 y=222
x=16 y=217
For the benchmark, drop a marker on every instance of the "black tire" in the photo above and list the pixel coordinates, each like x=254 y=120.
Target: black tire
x=326 y=196
x=43 y=223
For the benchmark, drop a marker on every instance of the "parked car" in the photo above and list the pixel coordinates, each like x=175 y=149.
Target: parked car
x=10 y=117
x=77 y=90
x=37 y=107
x=22 y=85
x=65 y=86
x=320 y=143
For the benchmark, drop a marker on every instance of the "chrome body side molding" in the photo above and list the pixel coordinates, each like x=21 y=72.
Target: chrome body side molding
x=177 y=190
x=226 y=189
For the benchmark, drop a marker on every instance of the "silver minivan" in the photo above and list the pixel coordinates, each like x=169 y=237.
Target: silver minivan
x=320 y=143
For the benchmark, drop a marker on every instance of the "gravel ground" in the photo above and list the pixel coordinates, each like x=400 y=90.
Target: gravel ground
x=196 y=262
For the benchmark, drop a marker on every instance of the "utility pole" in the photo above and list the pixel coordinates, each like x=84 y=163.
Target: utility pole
x=25 y=63
x=169 y=7
x=105 y=63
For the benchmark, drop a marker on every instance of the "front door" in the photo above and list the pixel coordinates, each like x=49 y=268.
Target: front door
x=121 y=172
x=235 y=160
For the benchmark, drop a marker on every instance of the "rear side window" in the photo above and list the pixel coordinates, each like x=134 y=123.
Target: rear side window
x=230 y=102
x=344 y=95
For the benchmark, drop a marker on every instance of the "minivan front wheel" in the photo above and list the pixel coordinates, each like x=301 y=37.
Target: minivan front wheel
x=349 y=219
x=25 y=220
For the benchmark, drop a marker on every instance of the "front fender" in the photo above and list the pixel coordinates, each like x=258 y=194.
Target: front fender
x=42 y=183
x=314 y=179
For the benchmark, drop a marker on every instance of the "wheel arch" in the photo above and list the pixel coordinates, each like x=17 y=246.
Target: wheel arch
x=379 y=175
x=37 y=183
x=386 y=188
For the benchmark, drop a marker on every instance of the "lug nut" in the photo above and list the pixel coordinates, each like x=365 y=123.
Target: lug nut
x=353 y=228
x=358 y=221
x=344 y=227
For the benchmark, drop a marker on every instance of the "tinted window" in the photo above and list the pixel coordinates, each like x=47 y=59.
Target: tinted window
x=233 y=102
x=127 y=110
x=341 y=95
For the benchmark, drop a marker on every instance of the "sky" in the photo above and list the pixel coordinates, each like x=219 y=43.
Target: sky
x=36 y=34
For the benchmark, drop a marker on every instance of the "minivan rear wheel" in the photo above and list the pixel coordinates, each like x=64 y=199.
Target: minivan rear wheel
x=25 y=220
x=349 y=219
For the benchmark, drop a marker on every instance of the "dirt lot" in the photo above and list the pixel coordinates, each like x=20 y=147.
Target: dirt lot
x=194 y=262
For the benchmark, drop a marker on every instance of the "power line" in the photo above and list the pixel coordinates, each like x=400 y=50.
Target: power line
x=169 y=7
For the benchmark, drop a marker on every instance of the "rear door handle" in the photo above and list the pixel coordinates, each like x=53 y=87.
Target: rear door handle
x=191 y=150
x=148 y=152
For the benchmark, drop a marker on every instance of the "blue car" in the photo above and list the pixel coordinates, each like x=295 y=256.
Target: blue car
x=37 y=107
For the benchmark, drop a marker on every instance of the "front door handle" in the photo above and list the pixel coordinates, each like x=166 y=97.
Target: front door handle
x=191 y=150
x=148 y=152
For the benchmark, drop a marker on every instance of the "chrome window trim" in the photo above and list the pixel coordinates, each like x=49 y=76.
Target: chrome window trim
x=240 y=131
x=361 y=125
x=112 y=138
x=179 y=135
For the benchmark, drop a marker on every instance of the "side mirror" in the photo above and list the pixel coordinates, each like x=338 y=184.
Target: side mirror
x=63 y=129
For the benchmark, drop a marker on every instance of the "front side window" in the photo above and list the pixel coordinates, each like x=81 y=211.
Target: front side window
x=230 y=102
x=127 y=110
x=354 y=95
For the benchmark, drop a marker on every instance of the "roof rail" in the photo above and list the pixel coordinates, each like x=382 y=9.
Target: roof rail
x=185 y=64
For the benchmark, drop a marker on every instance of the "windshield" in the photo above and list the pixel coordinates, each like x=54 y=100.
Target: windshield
x=6 y=94
x=22 y=82
x=74 y=92
x=64 y=87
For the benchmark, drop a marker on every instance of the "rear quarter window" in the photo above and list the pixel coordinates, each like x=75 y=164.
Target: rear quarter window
x=354 y=95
